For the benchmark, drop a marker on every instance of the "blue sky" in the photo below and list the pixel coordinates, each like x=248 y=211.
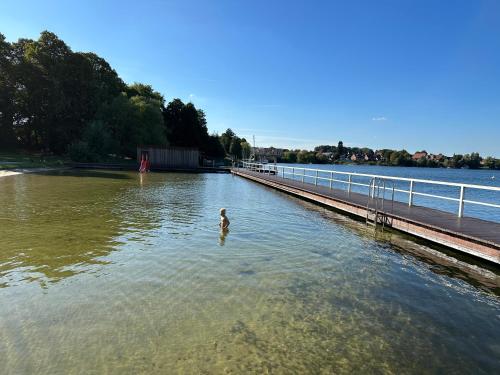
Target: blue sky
x=384 y=74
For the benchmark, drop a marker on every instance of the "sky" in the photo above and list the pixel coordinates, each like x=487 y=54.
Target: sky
x=412 y=74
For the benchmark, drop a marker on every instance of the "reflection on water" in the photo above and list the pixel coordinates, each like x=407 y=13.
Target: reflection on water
x=223 y=235
x=129 y=273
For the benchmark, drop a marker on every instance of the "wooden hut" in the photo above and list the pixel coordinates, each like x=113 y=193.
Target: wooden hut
x=169 y=157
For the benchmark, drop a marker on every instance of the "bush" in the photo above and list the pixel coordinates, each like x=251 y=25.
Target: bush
x=95 y=145
x=81 y=152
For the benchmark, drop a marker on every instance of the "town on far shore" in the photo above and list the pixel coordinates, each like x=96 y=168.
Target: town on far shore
x=341 y=154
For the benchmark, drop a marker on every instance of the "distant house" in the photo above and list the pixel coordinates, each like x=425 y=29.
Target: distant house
x=361 y=157
x=437 y=157
x=379 y=156
x=264 y=153
x=419 y=155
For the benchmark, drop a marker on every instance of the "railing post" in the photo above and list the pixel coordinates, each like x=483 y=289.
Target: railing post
x=461 y=202
x=293 y=173
x=303 y=174
x=283 y=173
x=410 y=199
x=349 y=186
x=316 y=178
x=331 y=179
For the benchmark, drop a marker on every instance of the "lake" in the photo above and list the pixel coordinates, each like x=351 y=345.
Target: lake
x=465 y=176
x=121 y=273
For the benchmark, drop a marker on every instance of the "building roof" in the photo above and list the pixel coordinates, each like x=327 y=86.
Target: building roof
x=419 y=155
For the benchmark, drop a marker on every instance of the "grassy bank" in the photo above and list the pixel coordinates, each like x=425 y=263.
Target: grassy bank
x=23 y=159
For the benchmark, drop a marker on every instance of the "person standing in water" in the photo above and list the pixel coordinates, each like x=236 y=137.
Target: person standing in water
x=224 y=221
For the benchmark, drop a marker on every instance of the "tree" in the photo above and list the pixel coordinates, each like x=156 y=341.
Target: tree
x=473 y=161
x=172 y=117
x=305 y=157
x=150 y=125
x=50 y=107
x=7 y=90
x=145 y=91
x=492 y=163
x=325 y=148
x=235 y=147
x=226 y=139
x=320 y=158
x=133 y=121
x=422 y=162
x=400 y=158
x=456 y=161
x=194 y=134
x=289 y=157
x=96 y=143
x=246 y=149
x=214 y=148
x=186 y=125
x=340 y=151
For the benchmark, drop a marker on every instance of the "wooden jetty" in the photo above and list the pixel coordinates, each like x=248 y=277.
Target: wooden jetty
x=476 y=237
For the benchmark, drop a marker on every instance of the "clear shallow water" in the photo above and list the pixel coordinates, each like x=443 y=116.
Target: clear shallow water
x=102 y=272
x=465 y=176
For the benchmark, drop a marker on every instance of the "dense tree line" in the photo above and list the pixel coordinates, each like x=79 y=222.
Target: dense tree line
x=56 y=101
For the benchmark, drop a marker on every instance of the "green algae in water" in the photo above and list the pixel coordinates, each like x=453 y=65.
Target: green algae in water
x=108 y=272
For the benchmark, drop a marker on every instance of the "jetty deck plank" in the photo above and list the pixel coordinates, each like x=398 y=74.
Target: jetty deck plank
x=482 y=231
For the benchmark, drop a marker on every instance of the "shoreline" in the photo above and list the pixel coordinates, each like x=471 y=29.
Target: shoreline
x=16 y=172
x=390 y=165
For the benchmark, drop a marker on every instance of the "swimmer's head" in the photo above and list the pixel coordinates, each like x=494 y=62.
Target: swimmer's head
x=222 y=211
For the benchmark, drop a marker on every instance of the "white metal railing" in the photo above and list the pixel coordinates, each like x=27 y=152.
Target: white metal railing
x=308 y=175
